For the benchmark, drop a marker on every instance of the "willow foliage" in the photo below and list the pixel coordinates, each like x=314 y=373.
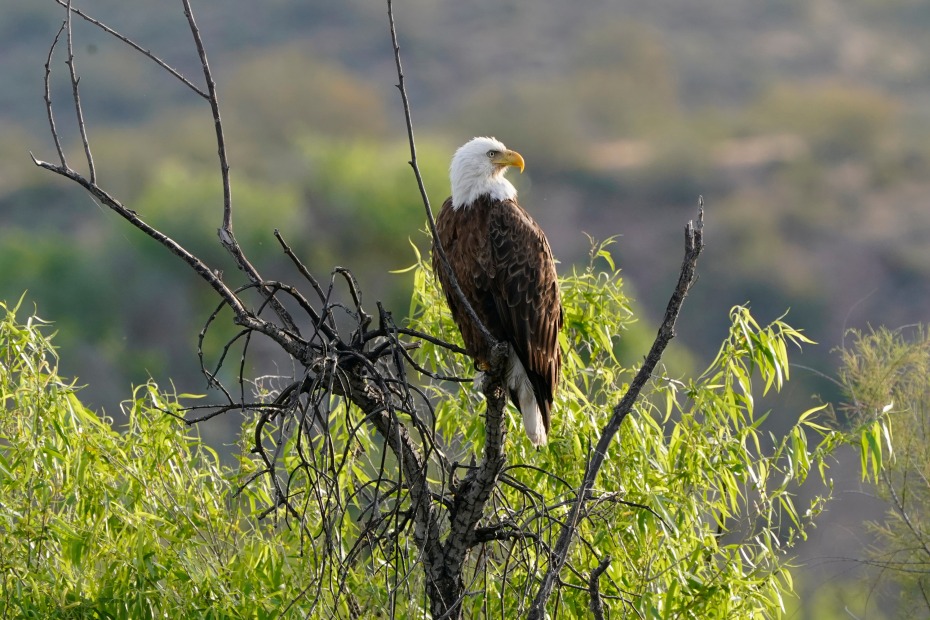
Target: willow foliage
x=138 y=523
x=696 y=506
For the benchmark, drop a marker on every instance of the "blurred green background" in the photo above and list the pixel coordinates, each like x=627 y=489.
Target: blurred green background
x=804 y=124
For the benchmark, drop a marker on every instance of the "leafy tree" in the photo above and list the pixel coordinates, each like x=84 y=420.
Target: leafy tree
x=140 y=523
x=695 y=517
x=887 y=371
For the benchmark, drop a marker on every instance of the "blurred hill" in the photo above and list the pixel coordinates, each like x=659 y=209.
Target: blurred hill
x=804 y=124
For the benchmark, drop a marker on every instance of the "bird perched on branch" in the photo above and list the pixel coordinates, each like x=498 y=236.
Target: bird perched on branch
x=504 y=267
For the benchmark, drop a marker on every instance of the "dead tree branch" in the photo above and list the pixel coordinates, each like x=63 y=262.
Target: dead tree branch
x=489 y=339
x=145 y=52
x=133 y=218
x=694 y=244
x=48 y=96
x=226 y=234
x=78 y=108
x=597 y=603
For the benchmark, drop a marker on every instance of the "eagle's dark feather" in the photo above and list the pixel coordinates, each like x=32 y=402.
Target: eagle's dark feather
x=504 y=266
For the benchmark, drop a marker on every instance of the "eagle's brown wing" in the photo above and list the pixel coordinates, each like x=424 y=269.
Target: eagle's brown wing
x=526 y=294
x=464 y=237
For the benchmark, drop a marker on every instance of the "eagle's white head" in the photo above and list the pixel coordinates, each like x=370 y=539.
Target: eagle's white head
x=478 y=168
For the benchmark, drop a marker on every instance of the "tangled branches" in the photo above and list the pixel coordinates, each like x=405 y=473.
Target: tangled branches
x=330 y=440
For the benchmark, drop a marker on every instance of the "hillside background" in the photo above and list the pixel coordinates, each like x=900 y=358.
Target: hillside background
x=805 y=125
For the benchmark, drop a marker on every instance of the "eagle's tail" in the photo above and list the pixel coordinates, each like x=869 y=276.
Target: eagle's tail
x=523 y=396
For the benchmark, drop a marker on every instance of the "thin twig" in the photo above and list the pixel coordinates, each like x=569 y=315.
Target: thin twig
x=422 y=336
x=78 y=109
x=48 y=96
x=217 y=122
x=175 y=248
x=300 y=265
x=147 y=53
x=227 y=237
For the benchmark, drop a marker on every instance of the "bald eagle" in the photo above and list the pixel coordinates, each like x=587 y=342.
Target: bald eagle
x=503 y=264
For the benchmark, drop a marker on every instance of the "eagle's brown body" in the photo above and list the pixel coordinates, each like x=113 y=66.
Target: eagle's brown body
x=504 y=266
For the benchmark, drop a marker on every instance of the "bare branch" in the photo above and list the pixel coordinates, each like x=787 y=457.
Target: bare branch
x=424 y=336
x=227 y=237
x=147 y=53
x=694 y=244
x=594 y=586
x=217 y=124
x=445 y=586
x=78 y=109
x=48 y=96
x=501 y=531
x=300 y=266
x=133 y=218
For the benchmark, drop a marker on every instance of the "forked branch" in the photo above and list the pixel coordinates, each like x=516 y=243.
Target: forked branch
x=145 y=52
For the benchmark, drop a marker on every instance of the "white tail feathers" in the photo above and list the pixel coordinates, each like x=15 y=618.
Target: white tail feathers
x=520 y=385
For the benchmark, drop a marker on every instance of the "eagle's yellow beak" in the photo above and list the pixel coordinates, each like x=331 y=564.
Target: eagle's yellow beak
x=510 y=158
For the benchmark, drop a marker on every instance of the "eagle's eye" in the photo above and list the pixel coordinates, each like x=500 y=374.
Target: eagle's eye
x=491 y=154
